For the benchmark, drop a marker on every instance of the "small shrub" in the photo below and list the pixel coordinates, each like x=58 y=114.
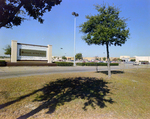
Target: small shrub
x=64 y=63
x=91 y=64
x=2 y=63
x=114 y=64
x=81 y=64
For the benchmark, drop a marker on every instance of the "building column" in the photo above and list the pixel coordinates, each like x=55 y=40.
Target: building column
x=49 y=54
x=137 y=59
x=13 y=51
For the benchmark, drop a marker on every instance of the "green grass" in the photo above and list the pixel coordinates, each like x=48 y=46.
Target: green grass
x=77 y=96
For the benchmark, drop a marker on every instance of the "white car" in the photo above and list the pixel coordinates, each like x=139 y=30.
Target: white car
x=137 y=63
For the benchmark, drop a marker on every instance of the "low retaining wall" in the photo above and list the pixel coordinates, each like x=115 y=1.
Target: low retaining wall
x=29 y=64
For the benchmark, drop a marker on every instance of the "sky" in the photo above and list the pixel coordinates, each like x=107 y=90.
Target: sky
x=58 y=29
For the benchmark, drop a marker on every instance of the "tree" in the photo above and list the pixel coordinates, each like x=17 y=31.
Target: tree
x=105 y=28
x=118 y=59
x=7 y=50
x=12 y=12
x=96 y=58
x=78 y=56
x=63 y=57
x=104 y=58
x=115 y=59
x=132 y=60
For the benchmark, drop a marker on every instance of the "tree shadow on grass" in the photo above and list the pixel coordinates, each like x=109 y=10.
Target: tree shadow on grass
x=57 y=93
x=112 y=72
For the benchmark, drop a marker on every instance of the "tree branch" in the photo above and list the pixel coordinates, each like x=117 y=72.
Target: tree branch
x=11 y=16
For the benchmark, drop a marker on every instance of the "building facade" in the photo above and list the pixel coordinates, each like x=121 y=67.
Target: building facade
x=142 y=58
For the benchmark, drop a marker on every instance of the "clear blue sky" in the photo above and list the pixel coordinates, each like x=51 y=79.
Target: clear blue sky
x=58 y=29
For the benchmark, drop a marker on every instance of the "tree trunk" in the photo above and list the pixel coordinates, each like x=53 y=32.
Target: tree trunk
x=108 y=61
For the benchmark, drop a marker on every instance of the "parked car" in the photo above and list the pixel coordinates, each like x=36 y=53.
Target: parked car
x=100 y=61
x=137 y=63
x=144 y=62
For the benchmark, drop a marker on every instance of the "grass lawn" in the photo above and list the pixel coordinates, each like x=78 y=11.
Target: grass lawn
x=88 y=95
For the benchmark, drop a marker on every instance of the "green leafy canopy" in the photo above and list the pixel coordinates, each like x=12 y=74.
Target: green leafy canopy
x=12 y=12
x=64 y=57
x=7 y=50
x=105 y=28
x=78 y=56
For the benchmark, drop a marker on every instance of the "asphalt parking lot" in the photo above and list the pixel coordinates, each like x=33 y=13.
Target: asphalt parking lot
x=9 y=72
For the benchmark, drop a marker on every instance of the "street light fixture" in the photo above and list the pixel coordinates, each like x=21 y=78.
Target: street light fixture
x=76 y=15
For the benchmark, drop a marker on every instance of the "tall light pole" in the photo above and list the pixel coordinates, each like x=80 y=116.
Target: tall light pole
x=75 y=14
x=61 y=53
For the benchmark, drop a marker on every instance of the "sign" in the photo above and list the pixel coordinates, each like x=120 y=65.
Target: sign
x=31 y=52
x=22 y=51
x=28 y=52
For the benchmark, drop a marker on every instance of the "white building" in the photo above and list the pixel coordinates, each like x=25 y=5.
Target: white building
x=142 y=58
x=125 y=58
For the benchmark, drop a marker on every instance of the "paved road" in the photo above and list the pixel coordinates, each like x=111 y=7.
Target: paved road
x=9 y=72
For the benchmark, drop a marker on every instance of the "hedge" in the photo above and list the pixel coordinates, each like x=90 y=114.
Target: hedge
x=2 y=63
x=96 y=64
x=64 y=63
